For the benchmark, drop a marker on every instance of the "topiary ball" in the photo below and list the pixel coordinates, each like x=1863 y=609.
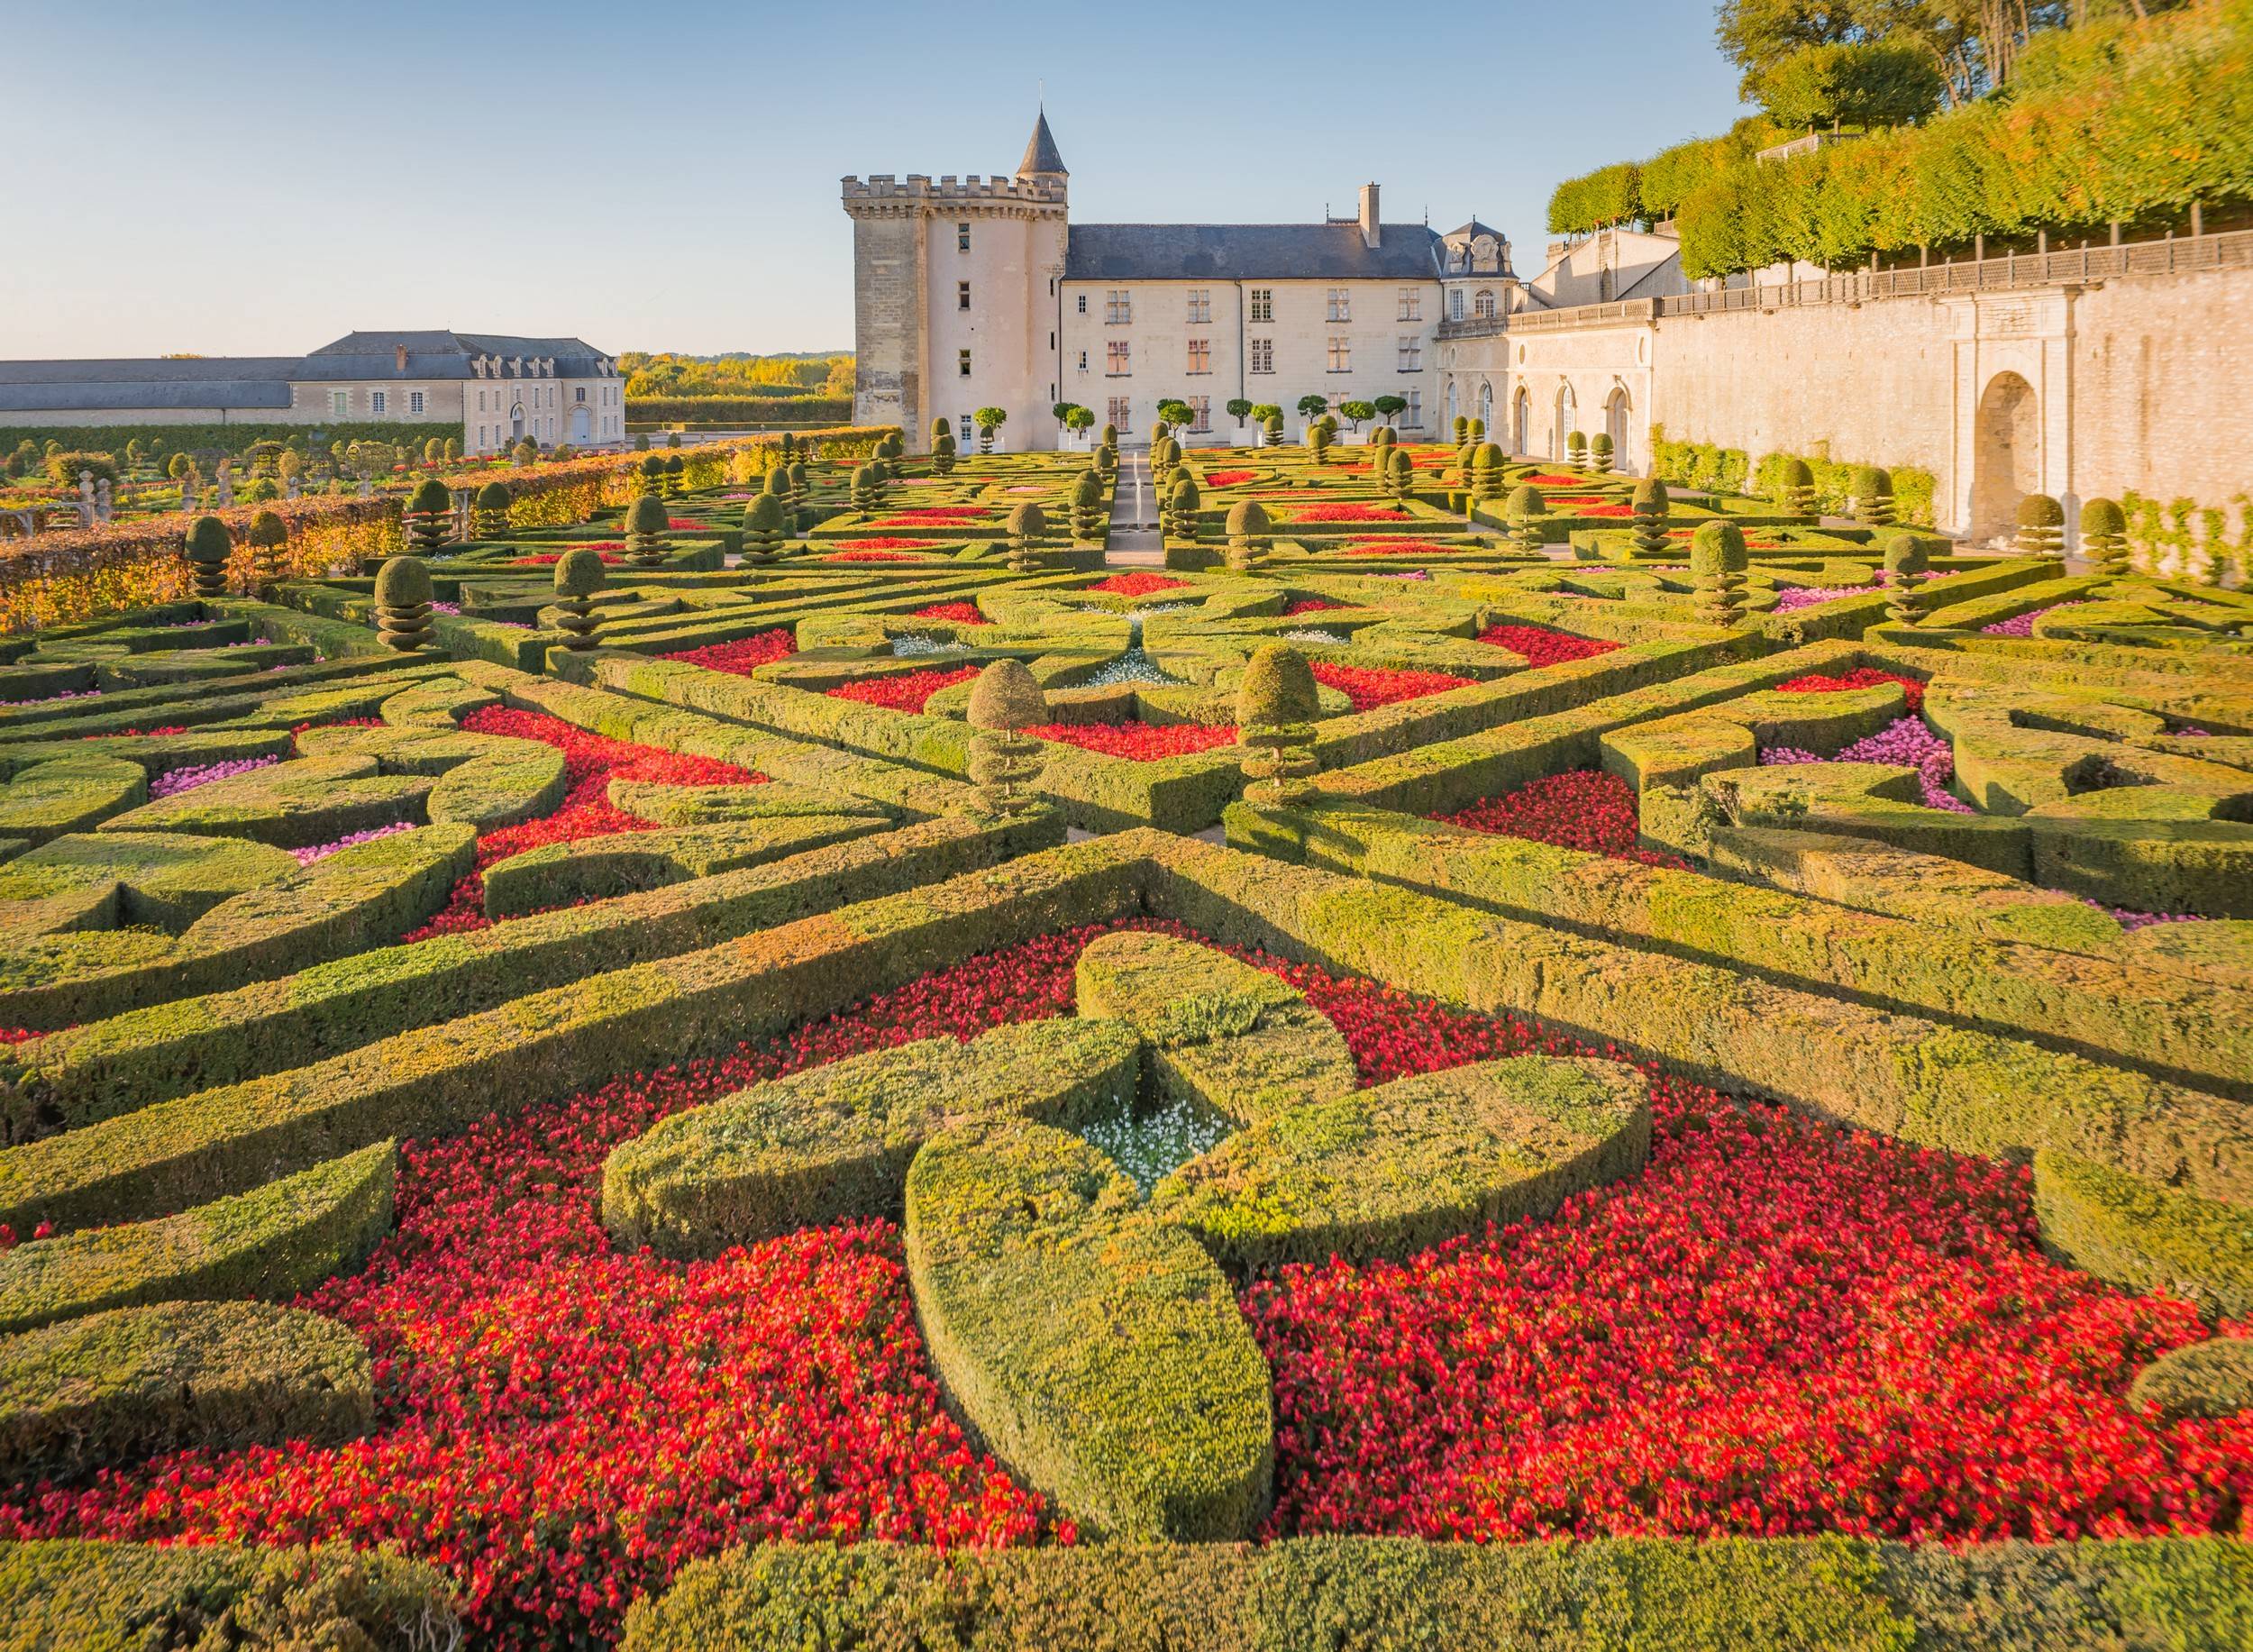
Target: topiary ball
x=1905 y=555
x=1087 y=491
x=402 y=582
x=1650 y=497
x=1795 y=473
x=777 y=480
x=1184 y=495
x=578 y=573
x=2102 y=516
x=430 y=498
x=1278 y=688
x=2039 y=510
x=209 y=542
x=269 y=530
x=1488 y=457
x=1007 y=698
x=764 y=513
x=1248 y=519
x=1028 y=521
x=1524 y=501
x=493 y=496
x=1718 y=548
x=646 y=514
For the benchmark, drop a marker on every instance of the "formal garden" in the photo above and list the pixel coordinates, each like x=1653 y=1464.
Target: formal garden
x=768 y=1046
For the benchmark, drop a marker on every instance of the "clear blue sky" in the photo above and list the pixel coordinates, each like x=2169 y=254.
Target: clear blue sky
x=254 y=177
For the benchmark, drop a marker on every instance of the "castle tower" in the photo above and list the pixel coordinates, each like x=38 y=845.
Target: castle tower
x=955 y=300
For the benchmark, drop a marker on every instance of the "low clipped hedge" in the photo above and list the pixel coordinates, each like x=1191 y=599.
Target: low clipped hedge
x=273 y=1242
x=2145 y=1236
x=1094 y=1348
x=622 y=862
x=1377 y=1594
x=76 y=1076
x=835 y=1142
x=1389 y=1171
x=125 y=1384
x=68 y=1595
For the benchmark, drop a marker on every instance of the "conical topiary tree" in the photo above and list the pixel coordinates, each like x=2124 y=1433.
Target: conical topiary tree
x=1271 y=430
x=268 y=533
x=208 y=547
x=1005 y=762
x=1794 y=487
x=1524 y=511
x=1165 y=452
x=650 y=473
x=1384 y=435
x=889 y=447
x=879 y=475
x=1905 y=564
x=429 y=518
x=645 y=528
x=1486 y=473
x=1108 y=438
x=794 y=486
x=1575 y=448
x=1650 y=506
x=1466 y=456
x=1027 y=526
x=1182 y=502
x=490 y=515
x=1087 y=508
x=1872 y=503
x=1461 y=430
x=676 y=475
x=1318 y=440
x=862 y=489
x=1478 y=430
x=776 y=485
x=1277 y=703
x=2041 y=526
x=2104 y=535
x=943 y=454
x=1400 y=473
x=579 y=575
x=1600 y=456
x=764 y=531
x=1718 y=561
x=403 y=604
x=1247 y=529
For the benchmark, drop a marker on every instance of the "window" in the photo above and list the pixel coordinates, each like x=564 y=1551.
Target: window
x=1200 y=406
x=1483 y=307
x=1263 y=304
x=376 y=399
x=1341 y=305
x=1120 y=414
x=961 y=295
x=1084 y=303
x=1200 y=304
x=414 y=401
x=1119 y=308
x=1455 y=303
x=1200 y=355
x=1262 y=356
x=1411 y=304
x=966 y=422
x=1414 y=416
x=1115 y=359
x=579 y=394
x=962 y=237
x=1341 y=353
x=962 y=363
x=1411 y=352
x=1083 y=360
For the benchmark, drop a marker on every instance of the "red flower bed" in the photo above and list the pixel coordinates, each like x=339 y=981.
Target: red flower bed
x=1403 y=546
x=1349 y=511
x=961 y=613
x=549 y=559
x=1590 y=507
x=1227 y=479
x=934 y=516
x=887 y=544
x=678 y=523
x=1861 y=677
x=1143 y=742
x=1586 y=810
x=872 y=556
x=1137 y=584
x=1310 y=605
x=590 y=762
x=1543 y=479
x=742 y=656
x=907 y=691
x=1367 y=687
x=1542 y=646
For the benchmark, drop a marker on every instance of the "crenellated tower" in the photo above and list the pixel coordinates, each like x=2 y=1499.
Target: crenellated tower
x=955 y=296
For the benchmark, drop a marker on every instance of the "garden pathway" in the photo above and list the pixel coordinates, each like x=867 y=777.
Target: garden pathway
x=1133 y=542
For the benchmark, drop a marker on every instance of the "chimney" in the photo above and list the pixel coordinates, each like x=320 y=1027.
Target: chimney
x=399 y=356
x=1369 y=236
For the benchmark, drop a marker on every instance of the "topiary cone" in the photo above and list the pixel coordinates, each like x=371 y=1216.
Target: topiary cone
x=1718 y=561
x=491 y=511
x=268 y=533
x=2041 y=526
x=1087 y=508
x=1905 y=562
x=403 y=604
x=1650 y=506
x=1873 y=502
x=1005 y=700
x=1795 y=486
x=1277 y=702
x=2104 y=535
x=1486 y=471
x=1183 y=502
x=1523 y=511
x=579 y=575
x=765 y=531
x=429 y=516
x=207 y=549
x=645 y=527
x=1248 y=527
x=1027 y=526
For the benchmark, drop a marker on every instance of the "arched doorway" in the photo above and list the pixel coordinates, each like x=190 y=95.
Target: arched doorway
x=1521 y=420
x=516 y=422
x=1567 y=419
x=1486 y=406
x=582 y=424
x=2006 y=455
x=1451 y=406
x=1616 y=410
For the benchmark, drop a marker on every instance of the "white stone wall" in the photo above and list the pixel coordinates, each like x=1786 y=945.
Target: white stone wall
x=1300 y=333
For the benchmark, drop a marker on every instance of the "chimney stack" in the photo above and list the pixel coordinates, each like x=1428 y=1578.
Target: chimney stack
x=1369 y=233
x=401 y=355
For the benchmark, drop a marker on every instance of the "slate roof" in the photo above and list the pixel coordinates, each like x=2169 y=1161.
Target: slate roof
x=1040 y=153
x=1249 y=252
x=1473 y=230
x=441 y=354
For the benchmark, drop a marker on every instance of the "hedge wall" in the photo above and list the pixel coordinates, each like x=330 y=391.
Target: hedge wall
x=738 y=409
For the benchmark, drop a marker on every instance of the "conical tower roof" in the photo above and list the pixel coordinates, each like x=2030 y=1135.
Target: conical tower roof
x=1040 y=153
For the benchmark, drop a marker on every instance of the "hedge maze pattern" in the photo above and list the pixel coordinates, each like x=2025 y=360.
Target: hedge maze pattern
x=816 y=1008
